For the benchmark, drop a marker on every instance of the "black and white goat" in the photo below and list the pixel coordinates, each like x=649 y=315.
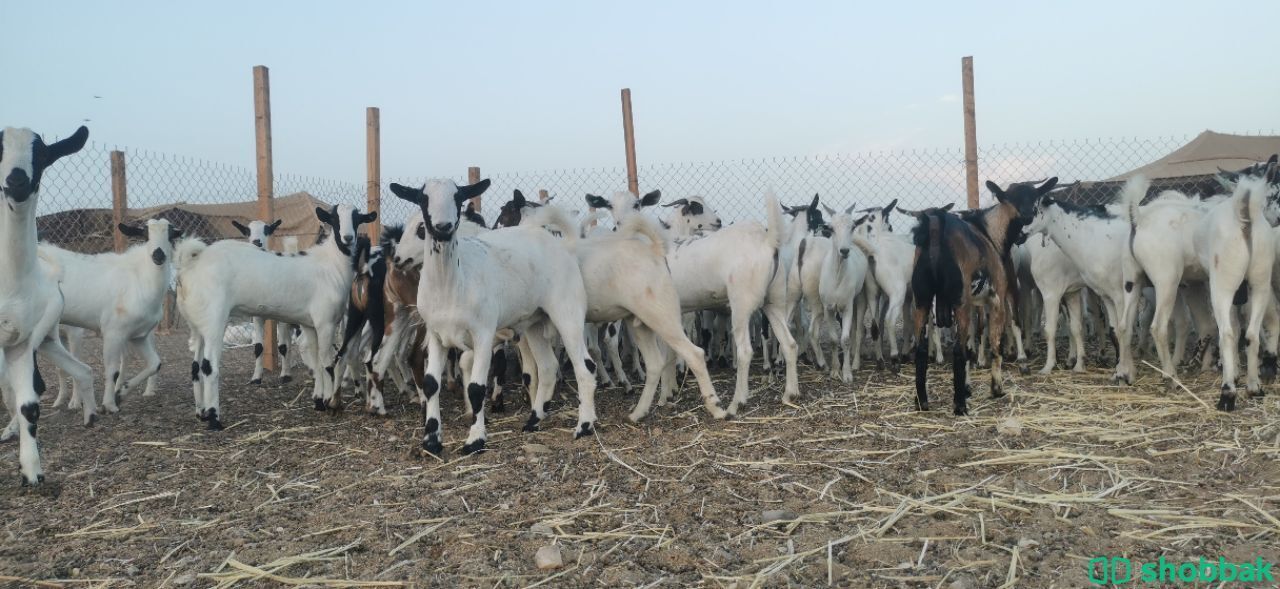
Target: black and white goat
x=522 y=278
x=120 y=296
x=257 y=233
x=235 y=279
x=31 y=302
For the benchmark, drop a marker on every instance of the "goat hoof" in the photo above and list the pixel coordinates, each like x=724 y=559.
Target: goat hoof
x=880 y=365
x=91 y=420
x=997 y=391
x=532 y=424
x=26 y=483
x=922 y=405
x=433 y=447
x=1024 y=368
x=584 y=429
x=111 y=408
x=498 y=406
x=961 y=410
x=1226 y=403
x=256 y=382
x=319 y=404
x=202 y=414
x=213 y=424
x=473 y=447
x=286 y=379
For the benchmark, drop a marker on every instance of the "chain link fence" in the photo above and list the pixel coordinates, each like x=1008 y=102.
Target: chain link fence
x=75 y=201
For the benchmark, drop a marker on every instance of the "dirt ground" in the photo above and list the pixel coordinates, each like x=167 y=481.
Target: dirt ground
x=848 y=488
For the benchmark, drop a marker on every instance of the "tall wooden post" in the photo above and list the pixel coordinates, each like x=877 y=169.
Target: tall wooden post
x=543 y=196
x=266 y=207
x=373 y=166
x=473 y=176
x=629 y=136
x=119 y=199
x=970 y=133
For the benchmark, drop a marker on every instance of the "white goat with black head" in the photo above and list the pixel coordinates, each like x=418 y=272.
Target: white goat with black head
x=235 y=279
x=521 y=278
x=120 y=296
x=737 y=267
x=257 y=233
x=30 y=299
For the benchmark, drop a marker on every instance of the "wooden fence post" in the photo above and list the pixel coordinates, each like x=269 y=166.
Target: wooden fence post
x=119 y=199
x=543 y=196
x=266 y=177
x=473 y=176
x=629 y=136
x=970 y=133
x=373 y=165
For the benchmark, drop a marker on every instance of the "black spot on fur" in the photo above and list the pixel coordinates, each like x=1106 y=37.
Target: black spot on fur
x=302 y=253
x=1084 y=211
x=613 y=329
x=433 y=425
x=475 y=393
x=1242 y=294
x=31 y=411
x=195 y=371
x=1128 y=286
x=430 y=386
x=158 y=256
x=591 y=365
x=206 y=367
x=279 y=255
x=283 y=349
x=257 y=350
x=527 y=379
x=39 y=380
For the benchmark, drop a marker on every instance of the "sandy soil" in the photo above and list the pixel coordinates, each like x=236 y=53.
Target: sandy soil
x=848 y=488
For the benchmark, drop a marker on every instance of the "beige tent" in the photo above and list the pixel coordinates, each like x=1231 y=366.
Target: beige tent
x=90 y=230
x=1189 y=169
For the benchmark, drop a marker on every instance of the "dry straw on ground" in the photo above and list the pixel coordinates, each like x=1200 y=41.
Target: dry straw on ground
x=860 y=490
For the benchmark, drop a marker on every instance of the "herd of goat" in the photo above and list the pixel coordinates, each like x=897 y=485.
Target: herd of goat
x=445 y=297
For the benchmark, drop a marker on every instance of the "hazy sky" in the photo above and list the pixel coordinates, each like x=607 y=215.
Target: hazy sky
x=533 y=85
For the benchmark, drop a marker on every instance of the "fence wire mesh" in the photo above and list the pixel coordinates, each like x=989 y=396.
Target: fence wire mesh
x=75 y=201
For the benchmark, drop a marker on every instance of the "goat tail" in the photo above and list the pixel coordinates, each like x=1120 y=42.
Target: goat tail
x=50 y=264
x=868 y=248
x=557 y=220
x=1131 y=196
x=592 y=218
x=773 y=213
x=634 y=225
x=187 y=252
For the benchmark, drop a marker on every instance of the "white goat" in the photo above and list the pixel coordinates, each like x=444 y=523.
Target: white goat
x=30 y=299
x=1058 y=279
x=120 y=296
x=235 y=279
x=1229 y=244
x=844 y=274
x=735 y=266
x=257 y=233
x=519 y=277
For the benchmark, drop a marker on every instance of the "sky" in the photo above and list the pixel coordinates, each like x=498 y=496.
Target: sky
x=514 y=86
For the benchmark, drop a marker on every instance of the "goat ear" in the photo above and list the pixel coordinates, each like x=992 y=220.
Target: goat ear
x=651 y=199
x=67 y=146
x=413 y=195
x=814 y=203
x=850 y=210
x=678 y=203
x=949 y=206
x=323 y=215
x=174 y=234
x=518 y=198
x=889 y=209
x=131 y=231
x=829 y=210
x=269 y=229
x=1271 y=173
x=995 y=190
x=466 y=193
x=1048 y=185
x=241 y=228
x=368 y=217
x=598 y=202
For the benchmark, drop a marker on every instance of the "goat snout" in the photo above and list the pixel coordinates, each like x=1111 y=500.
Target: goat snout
x=257 y=242
x=18 y=185
x=844 y=253
x=443 y=228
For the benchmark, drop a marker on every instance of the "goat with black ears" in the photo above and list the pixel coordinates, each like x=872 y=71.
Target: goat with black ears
x=235 y=279
x=961 y=262
x=521 y=278
x=257 y=232
x=31 y=301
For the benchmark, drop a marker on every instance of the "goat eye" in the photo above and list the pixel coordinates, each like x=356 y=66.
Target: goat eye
x=422 y=231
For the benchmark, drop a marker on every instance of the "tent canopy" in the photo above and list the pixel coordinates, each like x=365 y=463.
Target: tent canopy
x=91 y=230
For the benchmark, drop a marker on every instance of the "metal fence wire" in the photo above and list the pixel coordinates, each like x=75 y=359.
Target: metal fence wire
x=75 y=201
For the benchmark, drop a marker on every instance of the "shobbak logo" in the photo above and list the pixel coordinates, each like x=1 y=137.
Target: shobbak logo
x=1118 y=570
